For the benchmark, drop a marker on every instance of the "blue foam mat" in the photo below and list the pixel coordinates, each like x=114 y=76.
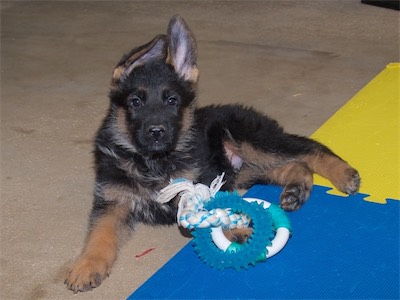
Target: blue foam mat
x=340 y=248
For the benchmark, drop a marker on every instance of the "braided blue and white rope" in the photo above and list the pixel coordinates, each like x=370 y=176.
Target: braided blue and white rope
x=191 y=211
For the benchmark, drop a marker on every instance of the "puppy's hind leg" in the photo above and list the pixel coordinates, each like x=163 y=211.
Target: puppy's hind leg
x=296 y=179
x=344 y=177
x=258 y=166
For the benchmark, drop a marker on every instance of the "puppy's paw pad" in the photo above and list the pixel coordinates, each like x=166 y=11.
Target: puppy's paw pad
x=293 y=197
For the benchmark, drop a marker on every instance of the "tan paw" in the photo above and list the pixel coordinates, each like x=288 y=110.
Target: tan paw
x=350 y=181
x=239 y=235
x=86 y=274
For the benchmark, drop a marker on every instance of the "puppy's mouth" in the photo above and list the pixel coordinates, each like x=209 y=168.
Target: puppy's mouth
x=155 y=147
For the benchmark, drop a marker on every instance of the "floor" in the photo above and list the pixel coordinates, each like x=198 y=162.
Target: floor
x=298 y=61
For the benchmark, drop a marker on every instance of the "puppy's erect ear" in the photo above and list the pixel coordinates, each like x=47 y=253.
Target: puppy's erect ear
x=156 y=49
x=182 y=50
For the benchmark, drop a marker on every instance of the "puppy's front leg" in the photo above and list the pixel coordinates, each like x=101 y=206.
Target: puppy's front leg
x=100 y=251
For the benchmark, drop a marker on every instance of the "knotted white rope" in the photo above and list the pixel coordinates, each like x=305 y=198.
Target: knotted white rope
x=191 y=212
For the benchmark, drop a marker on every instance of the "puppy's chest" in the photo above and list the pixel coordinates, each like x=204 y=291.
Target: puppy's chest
x=156 y=174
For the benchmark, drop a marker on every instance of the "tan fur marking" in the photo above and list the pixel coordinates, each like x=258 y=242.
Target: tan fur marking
x=253 y=156
x=193 y=75
x=292 y=173
x=332 y=168
x=232 y=147
x=117 y=73
x=187 y=120
x=267 y=167
x=99 y=253
x=239 y=235
x=283 y=170
x=289 y=173
x=256 y=163
x=121 y=122
x=323 y=164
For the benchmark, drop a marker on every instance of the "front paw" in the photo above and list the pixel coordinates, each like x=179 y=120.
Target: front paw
x=294 y=196
x=86 y=274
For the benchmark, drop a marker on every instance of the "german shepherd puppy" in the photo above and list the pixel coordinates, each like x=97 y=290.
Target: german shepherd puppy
x=154 y=132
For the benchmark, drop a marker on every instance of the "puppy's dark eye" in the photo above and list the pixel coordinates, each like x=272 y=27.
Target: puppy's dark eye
x=135 y=102
x=172 y=100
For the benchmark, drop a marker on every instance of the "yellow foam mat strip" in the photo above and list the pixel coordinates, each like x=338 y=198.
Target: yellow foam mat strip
x=366 y=133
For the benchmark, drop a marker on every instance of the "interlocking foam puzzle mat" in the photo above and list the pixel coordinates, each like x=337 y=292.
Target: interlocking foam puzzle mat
x=366 y=132
x=342 y=247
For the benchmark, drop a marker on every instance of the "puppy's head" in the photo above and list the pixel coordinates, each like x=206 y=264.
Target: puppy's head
x=153 y=91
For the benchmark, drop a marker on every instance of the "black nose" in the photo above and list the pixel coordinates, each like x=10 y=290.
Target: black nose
x=156 y=130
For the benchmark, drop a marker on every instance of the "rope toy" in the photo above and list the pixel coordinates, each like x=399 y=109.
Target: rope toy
x=200 y=208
